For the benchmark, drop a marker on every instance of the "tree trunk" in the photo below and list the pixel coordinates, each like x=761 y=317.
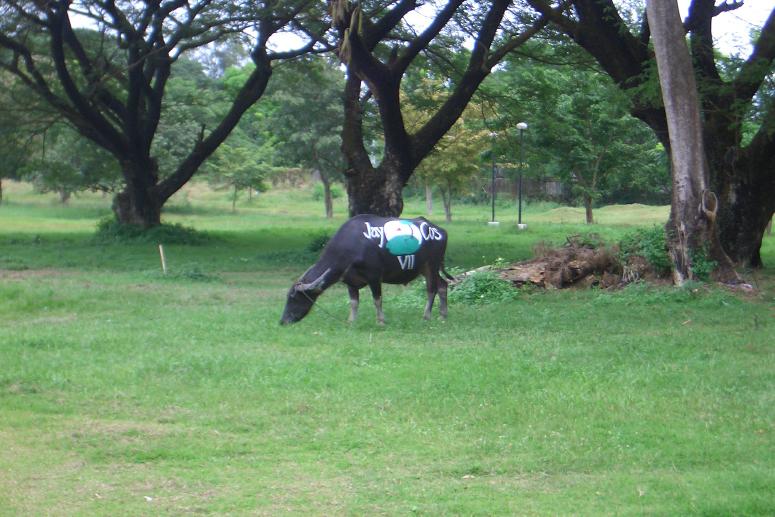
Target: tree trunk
x=139 y=203
x=428 y=198
x=64 y=196
x=447 y=207
x=234 y=199
x=1 y=190
x=327 y=197
x=691 y=227
x=747 y=203
x=588 y=208
x=377 y=191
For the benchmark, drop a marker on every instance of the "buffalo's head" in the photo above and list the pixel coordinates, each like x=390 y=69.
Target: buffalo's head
x=301 y=298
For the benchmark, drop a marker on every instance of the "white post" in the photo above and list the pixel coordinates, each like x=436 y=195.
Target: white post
x=163 y=259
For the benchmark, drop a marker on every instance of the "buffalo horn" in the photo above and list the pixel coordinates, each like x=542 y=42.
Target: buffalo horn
x=315 y=284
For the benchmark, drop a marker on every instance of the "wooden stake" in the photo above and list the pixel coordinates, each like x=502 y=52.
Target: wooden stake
x=163 y=259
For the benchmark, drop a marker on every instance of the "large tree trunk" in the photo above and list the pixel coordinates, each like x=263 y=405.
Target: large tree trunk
x=139 y=203
x=691 y=227
x=745 y=185
x=375 y=191
x=1 y=190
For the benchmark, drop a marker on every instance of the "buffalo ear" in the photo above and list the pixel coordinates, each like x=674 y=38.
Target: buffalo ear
x=315 y=285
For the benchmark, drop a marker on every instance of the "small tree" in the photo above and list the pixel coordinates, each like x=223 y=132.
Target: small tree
x=307 y=97
x=238 y=168
x=453 y=163
x=65 y=163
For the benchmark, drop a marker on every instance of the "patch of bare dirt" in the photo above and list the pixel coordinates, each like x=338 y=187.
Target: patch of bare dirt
x=21 y=274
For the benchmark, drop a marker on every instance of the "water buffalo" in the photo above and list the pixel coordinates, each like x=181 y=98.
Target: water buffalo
x=370 y=250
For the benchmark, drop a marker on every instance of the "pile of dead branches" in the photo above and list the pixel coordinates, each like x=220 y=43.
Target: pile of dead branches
x=582 y=262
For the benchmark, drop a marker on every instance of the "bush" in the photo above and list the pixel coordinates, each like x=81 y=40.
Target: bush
x=649 y=243
x=483 y=287
x=702 y=265
x=317 y=192
x=110 y=230
x=318 y=242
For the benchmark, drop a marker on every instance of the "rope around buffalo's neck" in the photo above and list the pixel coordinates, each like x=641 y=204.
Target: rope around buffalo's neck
x=327 y=313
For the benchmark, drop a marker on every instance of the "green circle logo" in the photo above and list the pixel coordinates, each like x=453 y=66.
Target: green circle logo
x=403 y=237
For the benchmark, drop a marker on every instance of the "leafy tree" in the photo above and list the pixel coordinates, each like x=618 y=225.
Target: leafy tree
x=13 y=151
x=66 y=163
x=21 y=125
x=592 y=139
x=307 y=99
x=110 y=82
x=453 y=164
x=238 y=168
x=378 y=48
x=456 y=157
x=736 y=102
x=580 y=130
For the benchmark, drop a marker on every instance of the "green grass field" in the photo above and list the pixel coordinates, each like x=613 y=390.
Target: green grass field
x=127 y=392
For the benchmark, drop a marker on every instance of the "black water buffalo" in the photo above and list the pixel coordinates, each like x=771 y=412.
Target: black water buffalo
x=370 y=250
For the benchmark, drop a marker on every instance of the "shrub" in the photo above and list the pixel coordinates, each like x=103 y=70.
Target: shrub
x=649 y=243
x=318 y=242
x=702 y=264
x=482 y=287
x=317 y=192
x=110 y=230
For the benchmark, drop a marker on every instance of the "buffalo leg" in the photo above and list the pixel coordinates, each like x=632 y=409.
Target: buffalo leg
x=443 y=298
x=376 y=292
x=354 y=299
x=432 y=285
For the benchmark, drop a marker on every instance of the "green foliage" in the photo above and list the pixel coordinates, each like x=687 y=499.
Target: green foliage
x=649 y=243
x=318 y=242
x=702 y=264
x=318 y=192
x=67 y=163
x=110 y=230
x=483 y=287
x=239 y=168
x=580 y=130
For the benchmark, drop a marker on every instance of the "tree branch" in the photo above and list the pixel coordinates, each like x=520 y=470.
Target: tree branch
x=759 y=63
x=419 y=43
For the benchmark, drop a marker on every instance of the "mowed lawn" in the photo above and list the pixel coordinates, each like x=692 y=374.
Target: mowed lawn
x=127 y=392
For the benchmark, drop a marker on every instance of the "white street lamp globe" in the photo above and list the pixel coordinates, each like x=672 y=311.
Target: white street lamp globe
x=522 y=126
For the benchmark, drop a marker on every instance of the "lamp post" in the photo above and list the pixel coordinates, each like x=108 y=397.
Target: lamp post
x=493 y=222
x=522 y=126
